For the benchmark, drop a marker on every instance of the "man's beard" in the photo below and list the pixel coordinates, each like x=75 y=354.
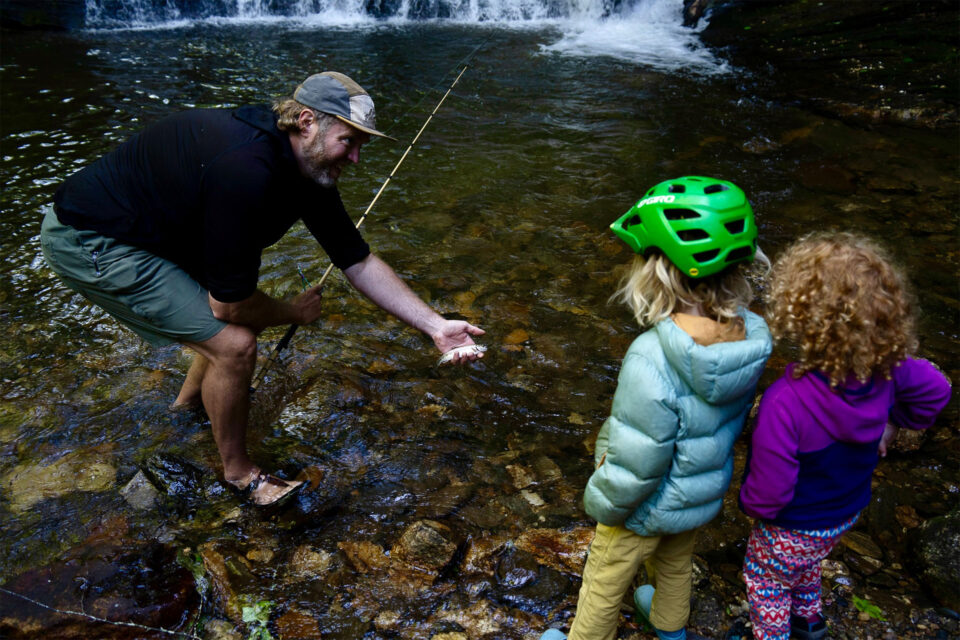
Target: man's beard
x=318 y=168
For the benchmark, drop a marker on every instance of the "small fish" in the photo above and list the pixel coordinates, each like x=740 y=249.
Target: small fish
x=470 y=349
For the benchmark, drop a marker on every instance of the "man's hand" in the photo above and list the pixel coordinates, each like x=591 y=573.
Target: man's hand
x=375 y=279
x=456 y=333
x=260 y=310
x=889 y=435
x=307 y=305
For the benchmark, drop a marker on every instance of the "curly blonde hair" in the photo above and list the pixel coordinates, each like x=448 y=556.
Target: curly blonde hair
x=654 y=288
x=840 y=300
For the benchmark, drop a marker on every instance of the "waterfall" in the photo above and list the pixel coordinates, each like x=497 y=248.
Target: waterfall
x=649 y=32
x=144 y=13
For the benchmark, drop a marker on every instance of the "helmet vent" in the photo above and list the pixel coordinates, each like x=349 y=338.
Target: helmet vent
x=713 y=188
x=706 y=256
x=689 y=235
x=739 y=253
x=632 y=221
x=736 y=226
x=680 y=214
x=677 y=188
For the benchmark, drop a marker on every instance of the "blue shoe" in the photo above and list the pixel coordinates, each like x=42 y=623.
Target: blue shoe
x=643 y=600
x=553 y=634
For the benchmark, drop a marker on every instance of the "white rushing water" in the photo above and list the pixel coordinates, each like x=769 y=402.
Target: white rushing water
x=647 y=32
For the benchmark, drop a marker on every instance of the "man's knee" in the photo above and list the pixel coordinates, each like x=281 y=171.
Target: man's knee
x=234 y=346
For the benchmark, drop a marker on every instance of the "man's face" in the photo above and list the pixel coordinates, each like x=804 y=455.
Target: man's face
x=326 y=153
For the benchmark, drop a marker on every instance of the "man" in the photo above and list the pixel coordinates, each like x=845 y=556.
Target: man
x=165 y=234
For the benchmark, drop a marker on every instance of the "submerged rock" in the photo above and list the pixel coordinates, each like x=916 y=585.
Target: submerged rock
x=425 y=544
x=297 y=623
x=27 y=484
x=307 y=564
x=141 y=584
x=140 y=493
x=177 y=477
x=564 y=551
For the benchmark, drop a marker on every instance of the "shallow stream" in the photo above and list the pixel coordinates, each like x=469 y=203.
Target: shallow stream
x=500 y=217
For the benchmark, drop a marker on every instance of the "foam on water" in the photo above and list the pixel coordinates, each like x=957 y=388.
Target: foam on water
x=649 y=33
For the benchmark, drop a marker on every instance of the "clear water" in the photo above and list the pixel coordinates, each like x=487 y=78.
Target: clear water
x=498 y=216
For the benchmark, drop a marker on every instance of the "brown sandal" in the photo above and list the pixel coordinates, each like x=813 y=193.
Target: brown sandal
x=261 y=480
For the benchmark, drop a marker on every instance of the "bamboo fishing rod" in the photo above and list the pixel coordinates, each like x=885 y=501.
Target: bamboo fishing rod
x=285 y=340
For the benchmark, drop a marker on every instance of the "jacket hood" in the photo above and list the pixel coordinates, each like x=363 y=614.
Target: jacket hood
x=719 y=372
x=849 y=413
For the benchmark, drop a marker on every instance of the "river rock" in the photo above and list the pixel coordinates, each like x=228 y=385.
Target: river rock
x=178 y=477
x=482 y=554
x=307 y=564
x=296 y=623
x=221 y=630
x=936 y=548
x=861 y=543
x=485 y=620
x=563 y=551
x=522 y=478
x=124 y=581
x=392 y=576
x=425 y=544
x=864 y=565
x=140 y=493
x=221 y=581
x=29 y=483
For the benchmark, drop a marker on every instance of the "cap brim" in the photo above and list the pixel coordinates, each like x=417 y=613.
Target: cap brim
x=365 y=129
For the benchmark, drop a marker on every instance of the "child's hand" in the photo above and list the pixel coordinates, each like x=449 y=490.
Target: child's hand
x=889 y=435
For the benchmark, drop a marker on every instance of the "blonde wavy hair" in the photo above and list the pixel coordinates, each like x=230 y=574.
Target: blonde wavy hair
x=654 y=288
x=288 y=113
x=840 y=300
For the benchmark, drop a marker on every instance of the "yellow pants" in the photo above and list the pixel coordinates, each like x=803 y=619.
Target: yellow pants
x=615 y=556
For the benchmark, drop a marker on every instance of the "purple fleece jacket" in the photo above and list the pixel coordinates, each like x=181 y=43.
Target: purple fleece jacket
x=814 y=449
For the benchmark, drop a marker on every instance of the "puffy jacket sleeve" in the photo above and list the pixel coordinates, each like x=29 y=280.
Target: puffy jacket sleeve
x=636 y=443
x=921 y=394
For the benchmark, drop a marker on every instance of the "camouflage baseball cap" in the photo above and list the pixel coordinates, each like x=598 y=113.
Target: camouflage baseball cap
x=341 y=97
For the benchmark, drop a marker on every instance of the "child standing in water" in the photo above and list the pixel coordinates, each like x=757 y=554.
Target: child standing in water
x=664 y=456
x=822 y=426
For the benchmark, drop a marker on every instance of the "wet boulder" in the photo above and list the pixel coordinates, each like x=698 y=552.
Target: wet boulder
x=140 y=493
x=32 y=482
x=186 y=482
x=425 y=544
x=113 y=583
x=307 y=564
x=563 y=551
x=936 y=547
x=228 y=573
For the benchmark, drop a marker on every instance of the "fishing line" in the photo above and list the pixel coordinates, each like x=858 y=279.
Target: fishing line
x=285 y=340
x=464 y=61
x=118 y=623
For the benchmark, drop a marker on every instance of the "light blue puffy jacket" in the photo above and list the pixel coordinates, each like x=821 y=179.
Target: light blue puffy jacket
x=667 y=448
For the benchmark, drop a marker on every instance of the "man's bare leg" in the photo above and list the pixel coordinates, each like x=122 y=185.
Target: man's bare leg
x=190 y=396
x=225 y=388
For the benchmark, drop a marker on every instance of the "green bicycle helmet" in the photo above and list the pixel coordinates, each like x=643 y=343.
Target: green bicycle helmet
x=701 y=224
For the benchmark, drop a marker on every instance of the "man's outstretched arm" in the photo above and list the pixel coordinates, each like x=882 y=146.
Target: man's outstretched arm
x=375 y=279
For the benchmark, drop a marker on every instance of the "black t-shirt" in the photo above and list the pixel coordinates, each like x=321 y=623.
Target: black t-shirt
x=209 y=190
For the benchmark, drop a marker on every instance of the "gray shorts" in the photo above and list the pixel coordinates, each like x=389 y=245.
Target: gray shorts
x=153 y=297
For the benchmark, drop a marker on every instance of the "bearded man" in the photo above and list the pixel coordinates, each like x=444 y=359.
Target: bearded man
x=165 y=233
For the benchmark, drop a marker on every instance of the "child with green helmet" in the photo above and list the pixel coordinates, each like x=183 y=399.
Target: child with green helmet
x=664 y=457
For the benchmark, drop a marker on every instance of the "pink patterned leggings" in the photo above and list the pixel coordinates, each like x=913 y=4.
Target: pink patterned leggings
x=782 y=572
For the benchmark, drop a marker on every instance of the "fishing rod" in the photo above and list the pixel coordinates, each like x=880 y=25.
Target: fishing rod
x=285 y=340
